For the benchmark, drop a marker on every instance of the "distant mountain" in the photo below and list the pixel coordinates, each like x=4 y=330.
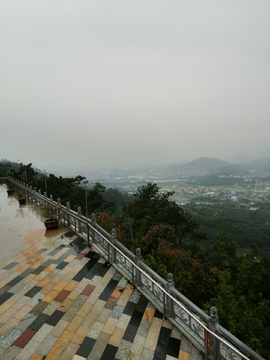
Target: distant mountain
x=262 y=164
x=201 y=164
x=245 y=158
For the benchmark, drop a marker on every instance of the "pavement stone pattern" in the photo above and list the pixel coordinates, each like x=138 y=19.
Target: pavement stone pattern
x=62 y=300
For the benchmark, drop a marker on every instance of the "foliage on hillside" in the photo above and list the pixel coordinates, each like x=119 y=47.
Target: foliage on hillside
x=172 y=241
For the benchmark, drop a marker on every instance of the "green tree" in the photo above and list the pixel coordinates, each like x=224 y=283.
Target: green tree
x=151 y=208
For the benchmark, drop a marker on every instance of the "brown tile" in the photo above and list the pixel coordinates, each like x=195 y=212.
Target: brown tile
x=40 y=276
x=65 y=305
x=69 y=351
x=50 y=268
x=77 y=268
x=128 y=289
x=123 y=300
x=65 y=271
x=25 y=338
x=28 y=278
x=7 y=315
x=156 y=325
x=148 y=314
x=71 y=285
x=80 y=256
x=9 y=325
x=36 y=356
x=116 y=337
x=80 y=334
x=59 y=328
x=54 y=353
x=69 y=276
x=116 y=293
x=110 y=325
x=50 y=309
x=90 y=319
x=75 y=323
x=73 y=295
x=123 y=321
x=38 y=309
x=183 y=355
x=51 y=296
x=85 y=309
x=43 y=282
x=24 y=267
x=88 y=290
x=151 y=340
x=60 y=286
x=110 y=304
x=167 y=324
x=3 y=283
x=138 y=344
x=62 y=296
x=47 y=288
x=69 y=258
x=64 y=339
x=7 y=304
x=99 y=305
x=56 y=280
x=23 y=312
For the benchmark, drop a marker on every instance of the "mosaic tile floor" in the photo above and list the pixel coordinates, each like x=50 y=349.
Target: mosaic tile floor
x=61 y=300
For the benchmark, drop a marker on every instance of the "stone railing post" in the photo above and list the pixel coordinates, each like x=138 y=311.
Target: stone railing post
x=79 y=213
x=45 y=200
x=138 y=262
x=68 y=208
x=213 y=326
x=113 y=241
x=93 y=223
x=39 y=198
x=170 y=288
x=59 y=203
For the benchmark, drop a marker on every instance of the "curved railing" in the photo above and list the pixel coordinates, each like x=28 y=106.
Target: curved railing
x=200 y=328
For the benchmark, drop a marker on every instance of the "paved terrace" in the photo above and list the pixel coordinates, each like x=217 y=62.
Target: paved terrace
x=60 y=299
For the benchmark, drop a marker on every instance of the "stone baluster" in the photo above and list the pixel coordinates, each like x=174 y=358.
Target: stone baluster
x=170 y=289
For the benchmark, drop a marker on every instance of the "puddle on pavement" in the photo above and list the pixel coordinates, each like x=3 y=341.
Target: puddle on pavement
x=21 y=226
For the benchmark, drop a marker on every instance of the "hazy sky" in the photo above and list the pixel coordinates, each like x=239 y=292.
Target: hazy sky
x=112 y=83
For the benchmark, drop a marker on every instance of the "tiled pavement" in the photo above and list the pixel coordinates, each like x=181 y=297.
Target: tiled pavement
x=61 y=300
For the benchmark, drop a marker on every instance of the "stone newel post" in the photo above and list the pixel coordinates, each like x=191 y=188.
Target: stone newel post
x=213 y=326
x=93 y=223
x=138 y=262
x=79 y=221
x=113 y=241
x=68 y=208
x=170 y=288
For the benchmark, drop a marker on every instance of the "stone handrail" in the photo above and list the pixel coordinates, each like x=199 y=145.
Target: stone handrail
x=200 y=328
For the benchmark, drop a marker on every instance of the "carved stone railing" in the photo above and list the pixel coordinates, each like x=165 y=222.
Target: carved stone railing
x=200 y=328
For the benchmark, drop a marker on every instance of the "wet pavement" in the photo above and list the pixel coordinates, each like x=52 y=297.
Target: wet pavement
x=60 y=299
